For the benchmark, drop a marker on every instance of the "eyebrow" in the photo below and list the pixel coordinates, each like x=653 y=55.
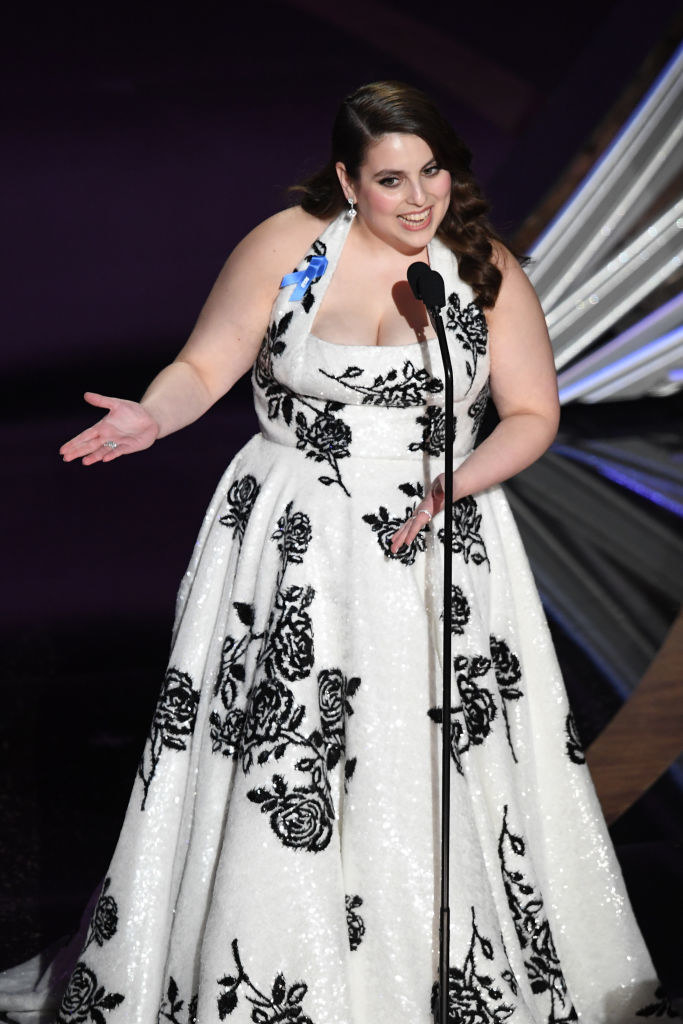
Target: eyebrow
x=383 y=173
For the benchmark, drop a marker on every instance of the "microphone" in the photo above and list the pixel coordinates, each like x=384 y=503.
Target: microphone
x=427 y=285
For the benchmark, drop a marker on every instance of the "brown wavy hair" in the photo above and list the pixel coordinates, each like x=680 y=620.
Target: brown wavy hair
x=378 y=108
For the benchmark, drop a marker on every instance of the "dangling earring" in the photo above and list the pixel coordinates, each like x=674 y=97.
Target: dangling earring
x=351 y=212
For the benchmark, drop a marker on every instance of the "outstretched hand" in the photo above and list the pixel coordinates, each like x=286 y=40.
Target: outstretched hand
x=432 y=503
x=127 y=424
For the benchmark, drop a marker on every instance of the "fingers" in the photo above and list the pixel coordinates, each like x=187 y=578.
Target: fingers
x=84 y=445
x=104 y=453
x=102 y=401
x=90 y=447
x=80 y=445
x=407 y=533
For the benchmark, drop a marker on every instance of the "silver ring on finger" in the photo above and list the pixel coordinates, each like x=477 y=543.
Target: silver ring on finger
x=425 y=510
x=110 y=444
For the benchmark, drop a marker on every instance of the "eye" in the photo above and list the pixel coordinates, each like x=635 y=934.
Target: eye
x=389 y=182
x=432 y=170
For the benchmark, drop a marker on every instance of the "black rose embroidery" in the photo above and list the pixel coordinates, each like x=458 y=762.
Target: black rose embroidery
x=479 y=712
x=301 y=818
x=232 y=668
x=468 y=325
x=471 y=719
x=398 y=389
x=105 y=918
x=262 y=721
x=293 y=535
x=241 y=497
x=433 y=424
x=173 y=1008
x=226 y=732
x=467 y=539
x=318 y=249
x=474 y=997
x=269 y=712
x=176 y=711
x=354 y=922
x=331 y=697
x=533 y=930
x=334 y=693
x=573 y=746
x=385 y=526
x=84 y=999
x=325 y=438
x=460 y=610
x=280 y=1003
x=478 y=407
x=508 y=677
x=172 y=725
x=79 y=995
x=289 y=648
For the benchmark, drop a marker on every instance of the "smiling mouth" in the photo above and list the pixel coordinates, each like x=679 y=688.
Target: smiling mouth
x=416 y=221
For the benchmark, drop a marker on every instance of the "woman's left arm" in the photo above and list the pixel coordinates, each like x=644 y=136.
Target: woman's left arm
x=523 y=388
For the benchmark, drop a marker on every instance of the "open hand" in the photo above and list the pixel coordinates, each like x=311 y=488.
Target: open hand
x=127 y=424
x=432 y=503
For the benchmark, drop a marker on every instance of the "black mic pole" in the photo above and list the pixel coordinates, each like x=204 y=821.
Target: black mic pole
x=428 y=287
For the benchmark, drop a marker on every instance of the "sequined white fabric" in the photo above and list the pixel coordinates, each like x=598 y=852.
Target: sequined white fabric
x=279 y=860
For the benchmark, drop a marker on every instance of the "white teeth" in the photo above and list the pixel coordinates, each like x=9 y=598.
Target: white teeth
x=414 y=218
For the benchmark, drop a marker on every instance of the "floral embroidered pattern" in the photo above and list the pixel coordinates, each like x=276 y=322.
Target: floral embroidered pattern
x=281 y=1005
x=573 y=746
x=268 y=721
x=85 y=999
x=354 y=922
x=317 y=249
x=467 y=538
x=240 y=498
x=468 y=325
x=172 y=725
x=397 y=389
x=324 y=437
x=302 y=817
x=472 y=718
x=433 y=424
x=473 y=995
x=460 y=610
x=478 y=408
x=105 y=918
x=385 y=526
x=508 y=673
x=172 y=1007
x=533 y=930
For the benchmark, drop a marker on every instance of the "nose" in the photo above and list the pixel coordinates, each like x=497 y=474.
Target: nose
x=416 y=193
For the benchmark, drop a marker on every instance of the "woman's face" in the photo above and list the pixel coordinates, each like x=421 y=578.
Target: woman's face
x=401 y=192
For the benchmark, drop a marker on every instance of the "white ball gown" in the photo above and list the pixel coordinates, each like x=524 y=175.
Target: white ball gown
x=279 y=858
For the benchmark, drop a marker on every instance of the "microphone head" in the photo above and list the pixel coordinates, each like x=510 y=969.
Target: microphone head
x=416 y=273
x=433 y=290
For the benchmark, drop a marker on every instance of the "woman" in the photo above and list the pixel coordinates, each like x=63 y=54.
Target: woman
x=279 y=856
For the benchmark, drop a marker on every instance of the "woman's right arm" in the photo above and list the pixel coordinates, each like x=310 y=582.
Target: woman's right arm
x=222 y=347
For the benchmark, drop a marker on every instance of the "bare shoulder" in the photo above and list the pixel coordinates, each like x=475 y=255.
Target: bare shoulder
x=516 y=290
x=280 y=241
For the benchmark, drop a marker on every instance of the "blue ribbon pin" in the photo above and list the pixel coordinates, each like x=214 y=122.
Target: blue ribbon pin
x=303 y=279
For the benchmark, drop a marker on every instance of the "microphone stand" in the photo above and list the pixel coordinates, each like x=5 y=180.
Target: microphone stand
x=428 y=287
